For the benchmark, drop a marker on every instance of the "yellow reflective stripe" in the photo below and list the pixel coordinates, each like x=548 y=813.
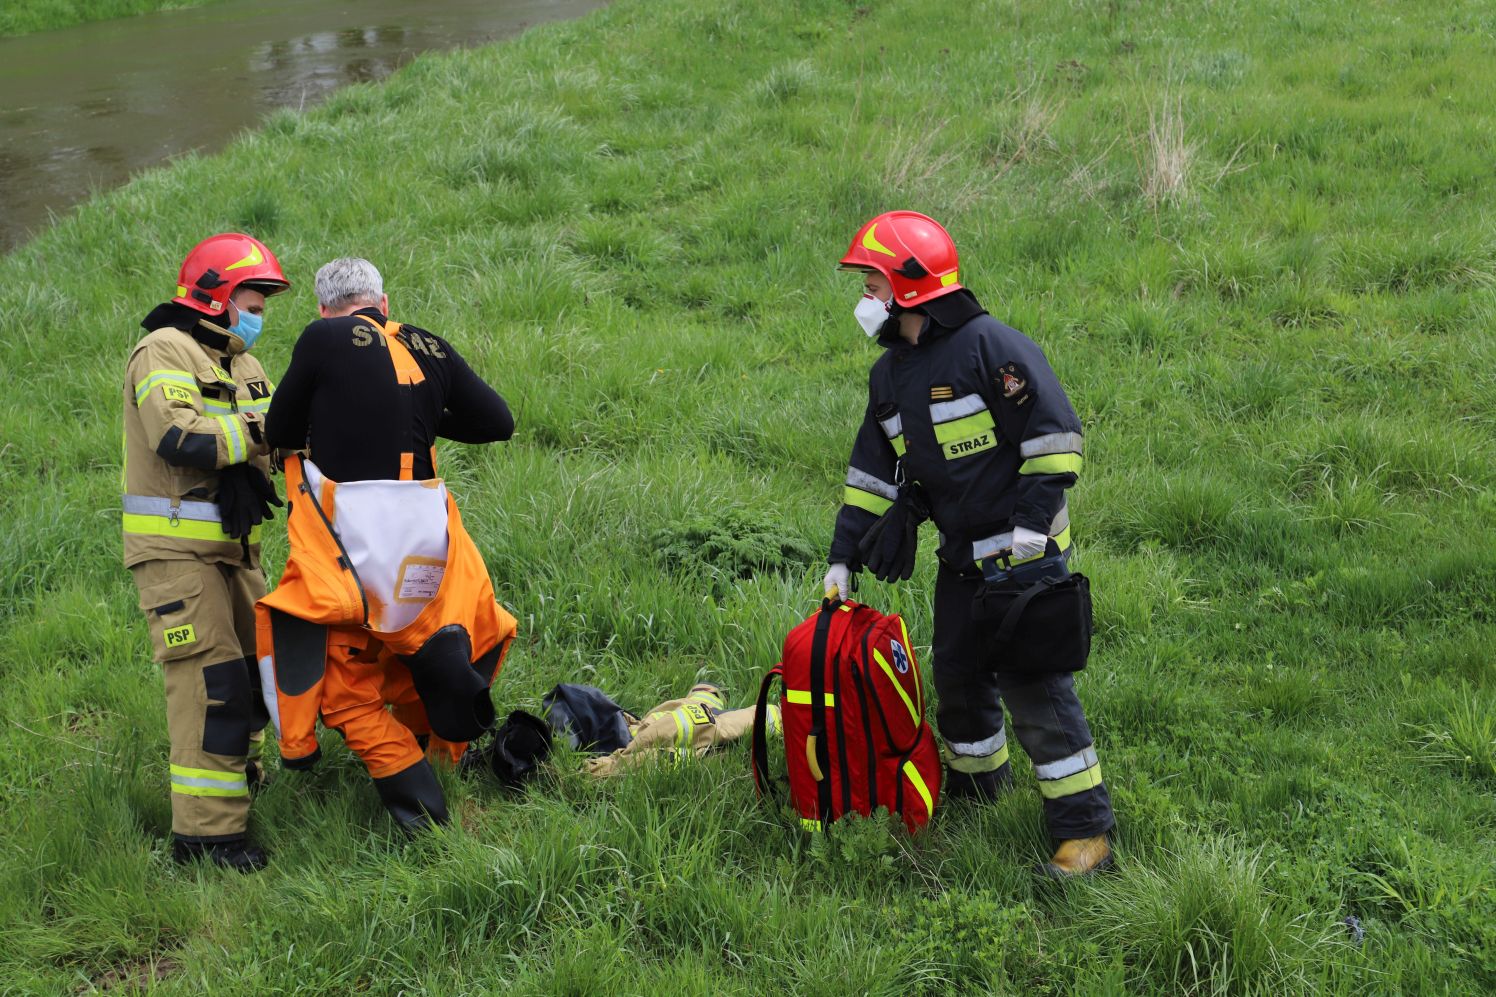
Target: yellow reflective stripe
x=182 y=790
x=899 y=446
x=155 y=377
x=234 y=778
x=810 y=824
x=254 y=259
x=919 y=687
x=970 y=764
x=682 y=729
x=711 y=699
x=1052 y=463
x=1053 y=789
x=875 y=504
x=888 y=670
x=870 y=241
x=802 y=697
x=183 y=529
x=918 y=782
x=964 y=427
x=233 y=437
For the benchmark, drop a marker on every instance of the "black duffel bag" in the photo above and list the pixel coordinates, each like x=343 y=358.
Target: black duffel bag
x=1042 y=627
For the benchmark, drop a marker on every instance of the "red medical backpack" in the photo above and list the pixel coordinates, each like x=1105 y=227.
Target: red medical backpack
x=853 y=717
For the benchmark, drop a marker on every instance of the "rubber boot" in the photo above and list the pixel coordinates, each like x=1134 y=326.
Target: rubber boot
x=980 y=786
x=240 y=855
x=1079 y=857
x=413 y=797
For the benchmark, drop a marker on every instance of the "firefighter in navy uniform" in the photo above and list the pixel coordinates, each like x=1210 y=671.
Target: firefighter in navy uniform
x=196 y=490
x=969 y=411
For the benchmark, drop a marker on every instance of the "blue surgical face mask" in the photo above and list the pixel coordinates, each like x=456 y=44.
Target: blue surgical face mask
x=248 y=328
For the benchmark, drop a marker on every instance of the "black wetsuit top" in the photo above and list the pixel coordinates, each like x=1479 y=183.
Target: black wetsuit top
x=341 y=399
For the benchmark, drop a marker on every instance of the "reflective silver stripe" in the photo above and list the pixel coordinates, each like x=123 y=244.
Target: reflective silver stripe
x=963 y=406
x=861 y=479
x=152 y=505
x=987 y=546
x=1069 y=765
x=268 y=691
x=1052 y=443
x=979 y=749
x=230 y=783
x=892 y=426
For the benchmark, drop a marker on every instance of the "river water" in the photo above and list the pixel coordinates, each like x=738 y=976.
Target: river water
x=83 y=108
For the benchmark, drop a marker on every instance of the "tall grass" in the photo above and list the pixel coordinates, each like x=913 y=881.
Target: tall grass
x=1282 y=355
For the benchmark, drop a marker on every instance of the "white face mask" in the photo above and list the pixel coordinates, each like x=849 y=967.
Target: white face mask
x=871 y=314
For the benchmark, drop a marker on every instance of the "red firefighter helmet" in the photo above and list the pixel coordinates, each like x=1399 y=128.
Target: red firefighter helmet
x=912 y=250
x=220 y=265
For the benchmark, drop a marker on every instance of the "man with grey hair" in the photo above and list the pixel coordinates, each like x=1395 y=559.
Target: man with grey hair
x=349 y=283
x=412 y=622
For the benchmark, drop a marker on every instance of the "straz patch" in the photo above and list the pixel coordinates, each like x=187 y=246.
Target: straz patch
x=985 y=440
x=900 y=658
x=179 y=636
x=177 y=393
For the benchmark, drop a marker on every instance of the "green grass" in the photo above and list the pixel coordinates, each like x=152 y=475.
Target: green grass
x=1256 y=240
x=22 y=17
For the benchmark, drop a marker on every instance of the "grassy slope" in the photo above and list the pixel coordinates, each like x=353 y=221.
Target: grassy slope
x=628 y=223
x=22 y=17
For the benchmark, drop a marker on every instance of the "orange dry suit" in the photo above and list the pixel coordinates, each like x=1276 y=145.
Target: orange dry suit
x=385 y=605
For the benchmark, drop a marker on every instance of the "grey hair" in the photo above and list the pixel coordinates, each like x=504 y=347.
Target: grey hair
x=349 y=280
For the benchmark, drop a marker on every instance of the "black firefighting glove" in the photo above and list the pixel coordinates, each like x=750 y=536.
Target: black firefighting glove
x=245 y=498
x=889 y=546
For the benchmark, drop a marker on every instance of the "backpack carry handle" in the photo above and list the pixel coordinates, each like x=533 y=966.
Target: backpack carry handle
x=760 y=754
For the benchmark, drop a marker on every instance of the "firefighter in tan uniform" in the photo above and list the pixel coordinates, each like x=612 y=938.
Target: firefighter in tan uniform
x=694 y=726
x=196 y=489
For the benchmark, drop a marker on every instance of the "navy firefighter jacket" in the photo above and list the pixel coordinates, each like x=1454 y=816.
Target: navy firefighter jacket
x=975 y=414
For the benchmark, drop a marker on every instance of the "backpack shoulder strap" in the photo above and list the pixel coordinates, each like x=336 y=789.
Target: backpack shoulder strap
x=1010 y=618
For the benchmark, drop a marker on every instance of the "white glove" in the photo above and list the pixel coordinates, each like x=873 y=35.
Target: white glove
x=1027 y=544
x=838 y=583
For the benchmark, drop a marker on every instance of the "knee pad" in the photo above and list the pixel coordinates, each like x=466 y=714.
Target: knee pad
x=454 y=693
x=226 y=723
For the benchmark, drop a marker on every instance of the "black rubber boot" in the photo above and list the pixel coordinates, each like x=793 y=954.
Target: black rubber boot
x=413 y=797
x=979 y=786
x=239 y=855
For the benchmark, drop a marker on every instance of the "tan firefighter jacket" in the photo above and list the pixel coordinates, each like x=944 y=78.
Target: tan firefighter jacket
x=680 y=727
x=189 y=412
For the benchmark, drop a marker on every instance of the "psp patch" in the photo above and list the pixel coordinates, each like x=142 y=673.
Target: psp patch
x=698 y=714
x=900 y=658
x=177 y=393
x=179 y=636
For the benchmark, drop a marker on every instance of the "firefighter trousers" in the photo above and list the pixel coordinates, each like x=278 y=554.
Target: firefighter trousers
x=202 y=624
x=973 y=680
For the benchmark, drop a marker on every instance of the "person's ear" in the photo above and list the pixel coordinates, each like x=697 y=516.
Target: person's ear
x=323 y=310
x=384 y=304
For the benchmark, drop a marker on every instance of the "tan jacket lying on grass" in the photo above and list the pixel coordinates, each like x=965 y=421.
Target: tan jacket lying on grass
x=693 y=725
